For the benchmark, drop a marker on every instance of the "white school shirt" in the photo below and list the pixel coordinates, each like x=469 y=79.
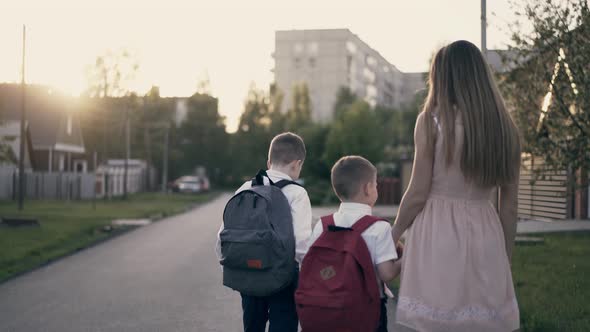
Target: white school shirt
x=300 y=210
x=377 y=237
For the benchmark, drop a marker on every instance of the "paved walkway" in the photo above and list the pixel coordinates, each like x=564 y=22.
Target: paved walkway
x=533 y=226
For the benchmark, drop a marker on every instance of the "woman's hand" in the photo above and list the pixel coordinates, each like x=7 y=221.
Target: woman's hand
x=399 y=248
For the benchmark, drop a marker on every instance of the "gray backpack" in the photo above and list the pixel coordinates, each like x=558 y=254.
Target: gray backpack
x=257 y=242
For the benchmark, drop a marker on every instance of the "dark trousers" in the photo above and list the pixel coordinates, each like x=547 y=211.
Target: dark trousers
x=383 y=317
x=278 y=309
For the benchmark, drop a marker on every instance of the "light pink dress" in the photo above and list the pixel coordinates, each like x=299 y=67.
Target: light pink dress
x=456 y=273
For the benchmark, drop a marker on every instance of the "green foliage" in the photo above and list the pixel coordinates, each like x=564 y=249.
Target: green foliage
x=560 y=34
x=259 y=122
x=315 y=143
x=552 y=284
x=201 y=137
x=299 y=116
x=344 y=98
x=356 y=132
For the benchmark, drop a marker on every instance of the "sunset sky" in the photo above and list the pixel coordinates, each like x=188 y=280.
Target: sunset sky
x=177 y=43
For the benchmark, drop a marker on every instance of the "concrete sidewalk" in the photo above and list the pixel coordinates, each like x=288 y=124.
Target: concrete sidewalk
x=534 y=226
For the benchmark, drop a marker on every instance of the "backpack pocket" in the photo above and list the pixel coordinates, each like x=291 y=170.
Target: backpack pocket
x=324 y=313
x=247 y=249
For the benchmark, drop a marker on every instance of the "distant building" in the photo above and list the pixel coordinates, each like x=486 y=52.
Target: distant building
x=327 y=60
x=10 y=145
x=56 y=136
x=180 y=110
x=502 y=61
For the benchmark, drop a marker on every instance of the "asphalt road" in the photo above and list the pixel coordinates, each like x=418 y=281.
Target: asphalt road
x=161 y=277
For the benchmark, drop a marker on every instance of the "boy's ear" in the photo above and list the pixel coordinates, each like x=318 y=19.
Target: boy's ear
x=268 y=164
x=367 y=188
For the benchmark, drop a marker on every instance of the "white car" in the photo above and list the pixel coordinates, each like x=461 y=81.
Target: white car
x=191 y=184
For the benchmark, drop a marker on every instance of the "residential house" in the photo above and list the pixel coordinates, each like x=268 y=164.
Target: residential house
x=10 y=139
x=56 y=136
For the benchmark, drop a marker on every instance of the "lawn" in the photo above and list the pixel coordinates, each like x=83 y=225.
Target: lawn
x=70 y=226
x=552 y=283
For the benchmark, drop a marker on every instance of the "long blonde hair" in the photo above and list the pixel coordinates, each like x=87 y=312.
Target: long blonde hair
x=461 y=86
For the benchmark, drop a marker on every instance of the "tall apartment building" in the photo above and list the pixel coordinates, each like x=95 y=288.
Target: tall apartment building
x=329 y=59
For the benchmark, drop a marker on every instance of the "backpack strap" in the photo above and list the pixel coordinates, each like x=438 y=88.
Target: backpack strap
x=283 y=183
x=258 y=180
x=327 y=221
x=365 y=222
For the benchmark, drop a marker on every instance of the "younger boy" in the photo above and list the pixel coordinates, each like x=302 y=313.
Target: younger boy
x=285 y=160
x=354 y=180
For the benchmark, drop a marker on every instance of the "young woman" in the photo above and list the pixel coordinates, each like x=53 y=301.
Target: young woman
x=456 y=271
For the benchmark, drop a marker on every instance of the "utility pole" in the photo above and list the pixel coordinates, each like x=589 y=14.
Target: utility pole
x=165 y=159
x=22 y=156
x=127 y=151
x=484 y=47
x=484 y=51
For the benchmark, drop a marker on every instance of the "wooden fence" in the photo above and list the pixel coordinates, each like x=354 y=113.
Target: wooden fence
x=543 y=192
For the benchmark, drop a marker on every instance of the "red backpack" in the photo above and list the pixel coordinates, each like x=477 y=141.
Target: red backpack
x=338 y=288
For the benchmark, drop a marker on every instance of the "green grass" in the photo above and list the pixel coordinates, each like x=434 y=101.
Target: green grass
x=70 y=226
x=552 y=283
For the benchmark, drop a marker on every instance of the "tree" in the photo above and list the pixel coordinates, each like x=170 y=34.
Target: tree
x=250 y=143
x=299 y=115
x=202 y=138
x=549 y=89
x=111 y=73
x=277 y=118
x=109 y=77
x=356 y=132
x=344 y=98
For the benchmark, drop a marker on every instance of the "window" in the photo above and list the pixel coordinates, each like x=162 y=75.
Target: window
x=297 y=63
x=371 y=91
x=369 y=75
x=298 y=48
x=351 y=47
x=69 y=124
x=313 y=48
x=389 y=86
x=312 y=62
x=372 y=62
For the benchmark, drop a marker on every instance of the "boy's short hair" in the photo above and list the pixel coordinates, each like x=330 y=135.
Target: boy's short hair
x=349 y=174
x=286 y=148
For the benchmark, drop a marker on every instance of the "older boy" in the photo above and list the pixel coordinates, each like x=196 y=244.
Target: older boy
x=285 y=161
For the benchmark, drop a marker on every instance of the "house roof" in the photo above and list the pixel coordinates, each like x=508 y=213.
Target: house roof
x=46 y=112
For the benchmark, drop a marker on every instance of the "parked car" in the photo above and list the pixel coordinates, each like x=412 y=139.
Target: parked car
x=190 y=184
